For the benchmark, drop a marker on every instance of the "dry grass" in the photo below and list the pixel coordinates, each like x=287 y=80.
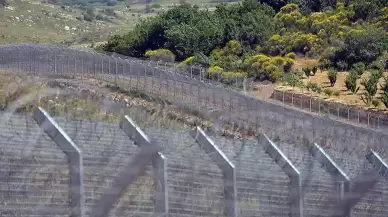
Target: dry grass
x=320 y=78
x=97 y=100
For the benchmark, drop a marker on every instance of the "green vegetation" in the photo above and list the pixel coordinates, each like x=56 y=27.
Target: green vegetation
x=264 y=38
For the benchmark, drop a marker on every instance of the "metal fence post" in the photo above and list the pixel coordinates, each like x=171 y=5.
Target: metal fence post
x=377 y=162
x=286 y=165
x=226 y=166
x=116 y=73
x=74 y=155
x=331 y=167
x=159 y=163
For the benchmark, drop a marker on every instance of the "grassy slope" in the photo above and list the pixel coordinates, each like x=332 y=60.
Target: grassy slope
x=30 y=21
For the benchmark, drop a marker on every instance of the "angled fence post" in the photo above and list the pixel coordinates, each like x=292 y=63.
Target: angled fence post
x=343 y=187
x=159 y=163
x=74 y=155
x=227 y=167
x=377 y=162
x=286 y=165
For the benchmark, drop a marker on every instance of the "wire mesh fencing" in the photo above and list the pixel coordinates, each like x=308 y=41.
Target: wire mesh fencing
x=140 y=166
x=369 y=118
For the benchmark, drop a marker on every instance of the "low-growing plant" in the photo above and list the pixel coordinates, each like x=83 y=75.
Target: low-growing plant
x=313 y=87
x=376 y=103
x=328 y=91
x=160 y=55
x=332 y=76
x=384 y=98
x=336 y=92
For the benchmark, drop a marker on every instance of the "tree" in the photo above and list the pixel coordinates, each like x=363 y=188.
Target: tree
x=332 y=76
x=277 y=4
x=367 y=9
x=363 y=46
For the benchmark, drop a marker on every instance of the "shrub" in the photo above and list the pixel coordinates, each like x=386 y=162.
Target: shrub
x=292 y=79
x=214 y=71
x=351 y=81
x=359 y=68
x=342 y=65
x=160 y=55
x=314 y=70
x=313 y=87
x=376 y=103
x=332 y=76
x=377 y=65
x=370 y=86
x=307 y=71
x=328 y=91
x=230 y=77
x=384 y=95
x=336 y=92
x=276 y=75
x=291 y=55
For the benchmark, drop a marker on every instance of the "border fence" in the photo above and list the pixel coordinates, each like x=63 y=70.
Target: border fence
x=56 y=61
x=280 y=179
x=345 y=196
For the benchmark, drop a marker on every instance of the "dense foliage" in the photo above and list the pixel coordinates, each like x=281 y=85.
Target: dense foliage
x=187 y=30
x=263 y=38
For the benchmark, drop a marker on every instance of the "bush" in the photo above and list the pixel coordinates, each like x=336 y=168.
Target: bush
x=377 y=65
x=307 y=71
x=376 y=103
x=384 y=95
x=276 y=75
x=351 y=81
x=292 y=79
x=214 y=71
x=314 y=70
x=163 y=55
x=328 y=91
x=332 y=76
x=359 y=68
x=336 y=92
x=313 y=87
x=291 y=55
x=370 y=86
x=342 y=65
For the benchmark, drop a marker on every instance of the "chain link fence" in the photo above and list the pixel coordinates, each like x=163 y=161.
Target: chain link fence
x=94 y=168
x=368 y=118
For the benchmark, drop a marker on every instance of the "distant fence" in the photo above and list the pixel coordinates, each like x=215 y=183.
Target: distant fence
x=192 y=90
x=235 y=178
x=373 y=119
